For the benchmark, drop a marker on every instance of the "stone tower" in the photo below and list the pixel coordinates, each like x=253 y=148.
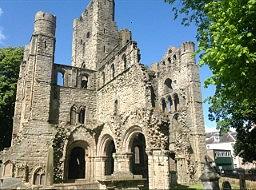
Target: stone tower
x=106 y=120
x=36 y=74
x=95 y=34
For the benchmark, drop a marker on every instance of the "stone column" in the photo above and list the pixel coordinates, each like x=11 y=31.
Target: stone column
x=49 y=167
x=158 y=169
x=122 y=164
x=99 y=167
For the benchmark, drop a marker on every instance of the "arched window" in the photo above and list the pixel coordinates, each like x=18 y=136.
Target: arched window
x=81 y=117
x=169 y=104
x=124 y=61
x=169 y=60
x=60 y=78
x=83 y=65
x=84 y=82
x=168 y=84
x=136 y=155
x=39 y=177
x=8 y=169
x=174 y=57
x=103 y=78
x=176 y=101
x=163 y=104
x=73 y=113
x=153 y=96
x=112 y=70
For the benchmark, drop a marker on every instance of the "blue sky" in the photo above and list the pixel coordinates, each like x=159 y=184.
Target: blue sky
x=151 y=22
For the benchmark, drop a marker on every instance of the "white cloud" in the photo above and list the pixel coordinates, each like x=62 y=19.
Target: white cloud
x=2 y=36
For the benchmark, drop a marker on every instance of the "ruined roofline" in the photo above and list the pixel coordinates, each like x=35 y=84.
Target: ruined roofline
x=174 y=53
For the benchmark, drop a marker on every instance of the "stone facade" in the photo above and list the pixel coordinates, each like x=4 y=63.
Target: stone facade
x=109 y=121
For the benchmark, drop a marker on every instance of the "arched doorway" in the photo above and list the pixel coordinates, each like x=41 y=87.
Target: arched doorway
x=139 y=160
x=109 y=163
x=76 y=163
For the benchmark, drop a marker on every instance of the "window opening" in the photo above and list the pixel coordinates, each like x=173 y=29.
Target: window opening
x=81 y=118
x=163 y=105
x=176 y=101
x=60 y=79
x=84 y=82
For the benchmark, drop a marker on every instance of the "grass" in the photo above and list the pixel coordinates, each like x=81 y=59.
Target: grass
x=197 y=186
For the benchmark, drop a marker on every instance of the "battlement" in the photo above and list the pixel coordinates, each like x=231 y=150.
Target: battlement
x=187 y=47
x=45 y=23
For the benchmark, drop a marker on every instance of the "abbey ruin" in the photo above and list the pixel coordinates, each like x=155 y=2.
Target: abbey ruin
x=110 y=122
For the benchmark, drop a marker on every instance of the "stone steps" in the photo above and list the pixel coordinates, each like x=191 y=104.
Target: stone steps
x=78 y=184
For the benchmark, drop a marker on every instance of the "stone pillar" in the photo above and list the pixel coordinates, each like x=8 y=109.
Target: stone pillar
x=49 y=167
x=89 y=168
x=122 y=164
x=99 y=167
x=158 y=169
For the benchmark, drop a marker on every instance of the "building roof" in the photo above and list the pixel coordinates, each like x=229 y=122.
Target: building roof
x=215 y=137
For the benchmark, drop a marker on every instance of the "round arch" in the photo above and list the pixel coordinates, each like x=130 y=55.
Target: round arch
x=76 y=154
x=106 y=149
x=135 y=143
x=128 y=137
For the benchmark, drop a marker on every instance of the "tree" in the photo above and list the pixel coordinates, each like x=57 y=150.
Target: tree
x=226 y=32
x=10 y=59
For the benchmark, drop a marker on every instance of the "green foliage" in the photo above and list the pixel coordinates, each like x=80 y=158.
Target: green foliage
x=227 y=40
x=10 y=59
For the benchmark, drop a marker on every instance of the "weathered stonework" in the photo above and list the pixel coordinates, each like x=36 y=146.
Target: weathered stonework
x=111 y=122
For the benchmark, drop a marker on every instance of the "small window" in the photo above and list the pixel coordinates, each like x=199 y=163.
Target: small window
x=39 y=177
x=83 y=65
x=45 y=44
x=169 y=60
x=167 y=86
x=174 y=57
x=113 y=70
x=81 y=118
x=60 y=79
x=84 y=82
x=88 y=35
x=176 y=101
x=104 y=49
x=163 y=105
x=124 y=61
x=73 y=115
x=153 y=96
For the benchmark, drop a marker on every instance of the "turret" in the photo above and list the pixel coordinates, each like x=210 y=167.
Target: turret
x=45 y=23
x=187 y=49
x=36 y=104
